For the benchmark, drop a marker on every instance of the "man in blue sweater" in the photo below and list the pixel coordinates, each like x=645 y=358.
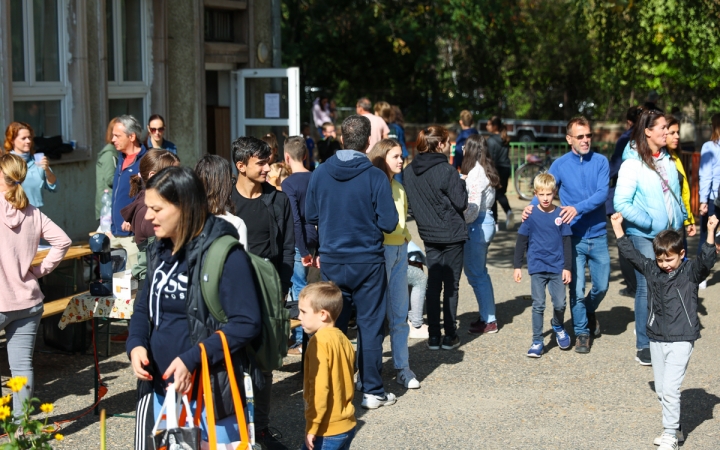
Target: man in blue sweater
x=351 y=202
x=582 y=177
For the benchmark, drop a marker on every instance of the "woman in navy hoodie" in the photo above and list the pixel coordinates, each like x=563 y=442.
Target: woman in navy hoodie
x=171 y=318
x=437 y=199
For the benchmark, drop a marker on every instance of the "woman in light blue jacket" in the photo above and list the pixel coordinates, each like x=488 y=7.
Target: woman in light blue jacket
x=648 y=196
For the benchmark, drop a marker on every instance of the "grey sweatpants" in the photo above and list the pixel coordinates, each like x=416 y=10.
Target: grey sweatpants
x=669 y=363
x=21 y=329
x=417 y=281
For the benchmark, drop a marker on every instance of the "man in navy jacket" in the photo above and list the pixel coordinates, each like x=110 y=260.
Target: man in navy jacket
x=126 y=137
x=582 y=178
x=351 y=202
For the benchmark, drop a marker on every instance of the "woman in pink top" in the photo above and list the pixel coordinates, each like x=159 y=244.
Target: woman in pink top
x=21 y=301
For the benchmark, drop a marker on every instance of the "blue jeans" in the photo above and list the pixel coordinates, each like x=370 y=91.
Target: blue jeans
x=594 y=253
x=398 y=302
x=21 y=328
x=480 y=234
x=644 y=246
x=299 y=276
x=556 y=287
x=337 y=442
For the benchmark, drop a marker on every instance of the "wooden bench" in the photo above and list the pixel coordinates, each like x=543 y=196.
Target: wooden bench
x=58 y=306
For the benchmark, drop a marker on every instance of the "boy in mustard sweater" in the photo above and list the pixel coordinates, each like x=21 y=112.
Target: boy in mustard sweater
x=329 y=368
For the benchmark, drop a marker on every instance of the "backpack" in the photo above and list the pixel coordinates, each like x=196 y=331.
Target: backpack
x=270 y=346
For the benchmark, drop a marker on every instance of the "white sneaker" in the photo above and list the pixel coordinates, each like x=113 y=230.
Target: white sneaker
x=703 y=285
x=668 y=442
x=374 y=401
x=418 y=333
x=510 y=220
x=406 y=377
x=679 y=434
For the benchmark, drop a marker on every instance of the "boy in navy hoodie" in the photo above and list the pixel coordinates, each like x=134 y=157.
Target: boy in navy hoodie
x=466 y=124
x=350 y=201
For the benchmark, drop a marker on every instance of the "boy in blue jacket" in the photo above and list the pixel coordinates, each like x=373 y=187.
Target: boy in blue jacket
x=351 y=203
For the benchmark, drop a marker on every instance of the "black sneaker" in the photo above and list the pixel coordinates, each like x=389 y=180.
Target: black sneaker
x=433 y=343
x=269 y=440
x=449 y=343
x=582 y=343
x=643 y=357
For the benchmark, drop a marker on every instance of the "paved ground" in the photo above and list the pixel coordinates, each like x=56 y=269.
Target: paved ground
x=486 y=394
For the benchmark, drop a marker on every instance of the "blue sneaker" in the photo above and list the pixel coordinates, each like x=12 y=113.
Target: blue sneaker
x=536 y=350
x=562 y=338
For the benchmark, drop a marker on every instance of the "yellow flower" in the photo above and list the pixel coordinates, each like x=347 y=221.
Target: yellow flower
x=59 y=437
x=47 y=408
x=4 y=412
x=5 y=400
x=17 y=383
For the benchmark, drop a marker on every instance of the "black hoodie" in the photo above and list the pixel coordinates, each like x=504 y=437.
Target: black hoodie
x=437 y=199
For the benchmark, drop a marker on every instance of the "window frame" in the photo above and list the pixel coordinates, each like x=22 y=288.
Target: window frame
x=118 y=89
x=31 y=90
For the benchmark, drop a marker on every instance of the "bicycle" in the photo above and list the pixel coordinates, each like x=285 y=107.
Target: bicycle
x=526 y=173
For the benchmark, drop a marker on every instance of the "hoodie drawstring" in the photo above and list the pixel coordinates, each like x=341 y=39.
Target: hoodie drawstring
x=163 y=281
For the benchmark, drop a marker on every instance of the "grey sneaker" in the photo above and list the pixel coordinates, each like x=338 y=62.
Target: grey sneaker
x=375 y=401
x=406 y=377
x=510 y=220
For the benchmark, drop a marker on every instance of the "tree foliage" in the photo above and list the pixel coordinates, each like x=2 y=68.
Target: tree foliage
x=542 y=59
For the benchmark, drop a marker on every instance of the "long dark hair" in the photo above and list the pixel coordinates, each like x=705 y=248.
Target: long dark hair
x=499 y=126
x=476 y=151
x=181 y=187
x=647 y=119
x=215 y=172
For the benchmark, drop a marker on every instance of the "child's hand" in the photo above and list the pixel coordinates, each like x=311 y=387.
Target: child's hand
x=517 y=275
x=310 y=441
x=712 y=223
x=617 y=218
x=566 y=276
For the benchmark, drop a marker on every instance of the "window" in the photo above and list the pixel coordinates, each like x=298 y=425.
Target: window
x=218 y=25
x=39 y=72
x=128 y=86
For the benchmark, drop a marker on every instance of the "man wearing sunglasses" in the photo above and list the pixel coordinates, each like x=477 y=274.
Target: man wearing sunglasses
x=582 y=178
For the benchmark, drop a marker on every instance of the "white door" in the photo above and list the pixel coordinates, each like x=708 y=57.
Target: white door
x=265 y=100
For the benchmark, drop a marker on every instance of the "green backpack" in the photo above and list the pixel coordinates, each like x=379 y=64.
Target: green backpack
x=270 y=346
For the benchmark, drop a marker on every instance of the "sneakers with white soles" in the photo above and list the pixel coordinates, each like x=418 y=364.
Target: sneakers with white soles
x=679 y=434
x=375 y=401
x=668 y=442
x=406 y=377
x=418 y=333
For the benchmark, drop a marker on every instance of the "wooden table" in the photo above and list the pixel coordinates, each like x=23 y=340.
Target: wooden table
x=73 y=254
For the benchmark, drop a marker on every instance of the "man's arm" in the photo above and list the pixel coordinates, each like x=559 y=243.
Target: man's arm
x=288 y=250
x=385 y=211
x=311 y=209
x=598 y=198
x=297 y=223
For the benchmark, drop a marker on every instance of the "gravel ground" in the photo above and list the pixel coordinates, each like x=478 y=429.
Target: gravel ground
x=486 y=394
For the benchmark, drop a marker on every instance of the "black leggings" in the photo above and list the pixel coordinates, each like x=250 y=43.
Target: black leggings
x=500 y=191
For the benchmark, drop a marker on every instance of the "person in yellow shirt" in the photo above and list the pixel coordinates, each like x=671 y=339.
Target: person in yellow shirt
x=387 y=156
x=328 y=387
x=673 y=146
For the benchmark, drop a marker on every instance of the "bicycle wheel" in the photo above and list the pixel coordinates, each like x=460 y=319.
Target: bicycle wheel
x=524 y=178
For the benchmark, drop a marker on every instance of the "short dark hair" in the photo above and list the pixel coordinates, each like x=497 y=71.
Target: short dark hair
x=633 y=113
x=668 y=242
x=156 y=117
x=216 y=175
x=577 y=120
x=356 y=132
x=181 y=187
x=245 y=147
x=295 y=147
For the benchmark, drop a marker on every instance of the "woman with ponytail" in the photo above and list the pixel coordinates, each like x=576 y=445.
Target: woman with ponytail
x=21 y=304
x=437 y=199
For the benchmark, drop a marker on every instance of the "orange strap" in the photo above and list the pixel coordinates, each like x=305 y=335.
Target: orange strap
x=205 y=391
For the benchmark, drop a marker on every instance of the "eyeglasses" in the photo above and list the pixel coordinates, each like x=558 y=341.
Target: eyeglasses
x=580 y=137
x=155 y=130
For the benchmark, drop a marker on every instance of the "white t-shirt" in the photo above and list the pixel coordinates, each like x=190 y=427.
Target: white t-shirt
x=239 y=224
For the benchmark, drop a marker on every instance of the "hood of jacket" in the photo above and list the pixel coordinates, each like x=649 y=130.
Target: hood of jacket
x=426 y=161
x=10 y=216
x=130 y=210
x=347 y=164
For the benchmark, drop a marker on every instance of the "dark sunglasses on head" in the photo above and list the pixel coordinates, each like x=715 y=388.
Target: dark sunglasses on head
x=580 y=137
x=161 y=129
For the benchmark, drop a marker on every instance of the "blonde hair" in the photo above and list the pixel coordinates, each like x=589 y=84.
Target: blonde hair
x=278 y=172
x=324 y=295
x=544 y=181
x=466 y=117
x=14 y=171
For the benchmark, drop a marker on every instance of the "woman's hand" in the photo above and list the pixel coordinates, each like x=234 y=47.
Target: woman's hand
x=138 y=360
x=182 y=377
x=44 y=163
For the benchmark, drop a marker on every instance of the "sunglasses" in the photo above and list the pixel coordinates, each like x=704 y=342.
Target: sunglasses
x=580 y=137
x=154 y=130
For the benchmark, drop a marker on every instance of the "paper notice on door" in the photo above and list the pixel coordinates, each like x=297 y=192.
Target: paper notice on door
x=272 y=106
